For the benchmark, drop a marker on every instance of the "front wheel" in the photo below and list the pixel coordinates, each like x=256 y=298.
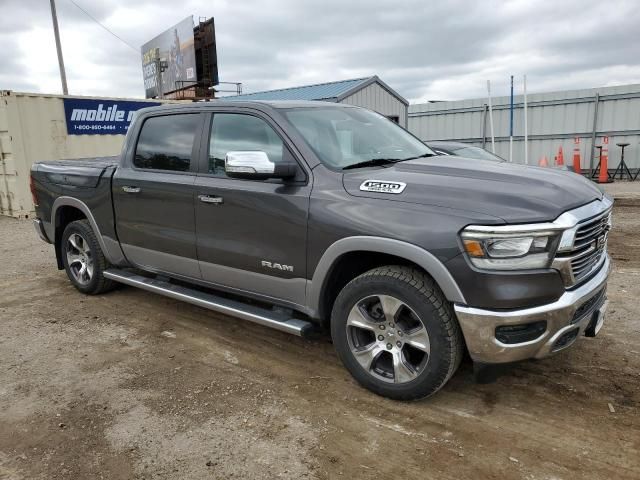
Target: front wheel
x=83 y=258
x=396 y=333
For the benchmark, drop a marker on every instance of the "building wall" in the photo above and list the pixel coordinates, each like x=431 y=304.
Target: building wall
x=377 y=98
x=33 y=128
x=554 y=119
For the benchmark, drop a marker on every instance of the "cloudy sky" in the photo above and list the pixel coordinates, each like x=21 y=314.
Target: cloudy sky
x=425 y=49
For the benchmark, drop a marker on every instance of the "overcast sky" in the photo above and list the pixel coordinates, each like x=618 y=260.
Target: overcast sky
x=425 y=49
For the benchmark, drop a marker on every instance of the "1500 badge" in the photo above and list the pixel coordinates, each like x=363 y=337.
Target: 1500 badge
x=381 y=186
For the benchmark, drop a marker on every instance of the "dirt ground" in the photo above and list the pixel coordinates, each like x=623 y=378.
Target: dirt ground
x=134 y=385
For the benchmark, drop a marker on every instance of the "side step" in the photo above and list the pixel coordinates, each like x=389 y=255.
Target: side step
x=213 y=302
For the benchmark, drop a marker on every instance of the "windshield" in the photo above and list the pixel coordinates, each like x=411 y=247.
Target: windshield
x=344 y=137
x=474 y=152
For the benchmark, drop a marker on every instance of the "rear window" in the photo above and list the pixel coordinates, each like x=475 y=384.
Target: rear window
x=166 y=142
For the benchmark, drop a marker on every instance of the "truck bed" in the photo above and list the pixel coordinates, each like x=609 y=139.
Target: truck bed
x=83 y=172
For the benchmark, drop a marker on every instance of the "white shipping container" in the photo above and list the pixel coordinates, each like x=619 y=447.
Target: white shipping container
x=33 y=128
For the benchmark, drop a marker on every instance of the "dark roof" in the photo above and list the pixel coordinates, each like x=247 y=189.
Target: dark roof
x=331 y=91
x=232 y=102
x=258 y=104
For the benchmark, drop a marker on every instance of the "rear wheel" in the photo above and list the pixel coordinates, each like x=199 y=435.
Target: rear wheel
x=83 y=258
x=395 y=333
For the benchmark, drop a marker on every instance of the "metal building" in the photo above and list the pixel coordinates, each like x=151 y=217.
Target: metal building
x=554 y=120
x=370 y=92
x=33 y=127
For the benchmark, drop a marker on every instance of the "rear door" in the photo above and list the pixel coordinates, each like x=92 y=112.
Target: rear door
x=154 y=195
x=251 y=235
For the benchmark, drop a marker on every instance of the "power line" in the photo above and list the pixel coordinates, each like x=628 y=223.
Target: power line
x=137 y=50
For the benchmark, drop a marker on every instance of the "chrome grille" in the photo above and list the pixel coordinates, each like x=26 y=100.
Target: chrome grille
x=589 y=246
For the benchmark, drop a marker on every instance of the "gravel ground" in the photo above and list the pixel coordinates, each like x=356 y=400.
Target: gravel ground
x=134 y=385
x=623 y=191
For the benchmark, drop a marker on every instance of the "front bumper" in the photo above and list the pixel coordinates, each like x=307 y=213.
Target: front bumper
x=562 y=329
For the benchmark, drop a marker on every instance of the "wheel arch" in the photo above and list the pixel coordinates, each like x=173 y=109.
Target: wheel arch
x=370 y=252
x=64 y=211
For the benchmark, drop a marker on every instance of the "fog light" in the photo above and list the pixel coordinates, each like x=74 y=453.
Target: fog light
x=565 y=339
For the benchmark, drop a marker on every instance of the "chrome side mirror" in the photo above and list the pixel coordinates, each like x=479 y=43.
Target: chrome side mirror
x=255 y=165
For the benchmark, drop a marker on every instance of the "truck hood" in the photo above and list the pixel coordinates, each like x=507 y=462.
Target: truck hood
x=514 y=193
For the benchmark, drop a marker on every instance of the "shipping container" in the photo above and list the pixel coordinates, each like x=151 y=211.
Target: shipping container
x=33 y=127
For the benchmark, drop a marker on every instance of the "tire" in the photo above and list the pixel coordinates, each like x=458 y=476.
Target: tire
x=83 y=258
x=416 y=344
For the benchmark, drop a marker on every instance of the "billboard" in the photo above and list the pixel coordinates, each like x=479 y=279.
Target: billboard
x=85 y=116
x=206 y=55
x=175 y=46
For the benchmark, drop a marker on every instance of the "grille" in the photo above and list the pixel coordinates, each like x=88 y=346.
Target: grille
x=589 y=246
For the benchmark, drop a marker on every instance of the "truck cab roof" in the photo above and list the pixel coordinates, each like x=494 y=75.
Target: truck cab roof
x=258 y=104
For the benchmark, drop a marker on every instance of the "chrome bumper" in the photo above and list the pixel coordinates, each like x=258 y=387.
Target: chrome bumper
x=479 y=325
x=39 y=226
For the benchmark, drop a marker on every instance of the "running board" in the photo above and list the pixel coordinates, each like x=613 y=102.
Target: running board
x=261 y=316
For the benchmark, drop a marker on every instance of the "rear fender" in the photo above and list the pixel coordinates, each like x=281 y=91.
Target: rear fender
x=110 y=246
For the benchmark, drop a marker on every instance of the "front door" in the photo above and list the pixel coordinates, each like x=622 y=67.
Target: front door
x=251 y=235
x=154 y=196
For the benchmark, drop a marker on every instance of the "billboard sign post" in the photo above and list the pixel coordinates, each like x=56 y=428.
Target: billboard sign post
x=175 y=51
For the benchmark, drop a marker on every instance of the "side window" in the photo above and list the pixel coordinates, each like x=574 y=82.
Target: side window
x=165 y=142
x=237 y=132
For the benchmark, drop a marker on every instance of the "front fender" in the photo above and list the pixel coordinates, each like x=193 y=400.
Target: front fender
x=408 y=251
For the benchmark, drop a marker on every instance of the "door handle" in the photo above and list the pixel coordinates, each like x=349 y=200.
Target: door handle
x=210 y=199
x=131 y=189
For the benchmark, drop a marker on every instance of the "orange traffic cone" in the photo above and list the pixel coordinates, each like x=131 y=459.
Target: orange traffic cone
x=603 y=176
x=560 y=157
x=543 y=162
x=576 y=156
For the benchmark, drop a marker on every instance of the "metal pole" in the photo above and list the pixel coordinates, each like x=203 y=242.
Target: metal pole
x=596 y=101
x=526 y=133
x=493 y=140
x=63 y=75
x=158 y=62
x=484 y=126
x=511 y=124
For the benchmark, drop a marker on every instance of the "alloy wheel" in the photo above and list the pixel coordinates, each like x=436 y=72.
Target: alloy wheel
x=388 y=339
x=79 y=258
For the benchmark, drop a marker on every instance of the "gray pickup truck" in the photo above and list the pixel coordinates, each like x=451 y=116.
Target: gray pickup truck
x=304 y=216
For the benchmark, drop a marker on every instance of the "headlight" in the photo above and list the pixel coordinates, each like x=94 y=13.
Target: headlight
x=509 y=248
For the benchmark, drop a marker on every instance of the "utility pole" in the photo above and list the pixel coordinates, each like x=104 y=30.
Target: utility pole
x=63 y=75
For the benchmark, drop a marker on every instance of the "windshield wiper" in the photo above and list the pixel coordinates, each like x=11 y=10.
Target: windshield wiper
x=424 y=155
x=374 y=162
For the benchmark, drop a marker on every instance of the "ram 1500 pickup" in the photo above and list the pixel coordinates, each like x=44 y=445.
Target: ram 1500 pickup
x=307 y=215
